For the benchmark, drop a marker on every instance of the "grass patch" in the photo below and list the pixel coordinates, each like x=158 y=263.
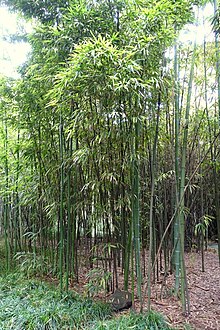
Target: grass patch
x=151 y=321
x=32 y=305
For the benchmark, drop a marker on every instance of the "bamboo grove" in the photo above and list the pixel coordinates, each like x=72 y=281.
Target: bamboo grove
x=110 y=143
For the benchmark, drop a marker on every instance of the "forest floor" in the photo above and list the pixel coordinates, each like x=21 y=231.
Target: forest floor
x=204 y=294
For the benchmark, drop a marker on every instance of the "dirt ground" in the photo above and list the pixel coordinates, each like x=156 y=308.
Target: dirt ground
x=204 y=292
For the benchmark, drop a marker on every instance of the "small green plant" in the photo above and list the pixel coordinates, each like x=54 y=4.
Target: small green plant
x=98 y=280
x=187 y=327
x=202 y=227
x=29 y=263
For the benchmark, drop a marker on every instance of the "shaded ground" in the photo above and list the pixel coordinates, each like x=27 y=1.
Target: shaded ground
x=204 y=291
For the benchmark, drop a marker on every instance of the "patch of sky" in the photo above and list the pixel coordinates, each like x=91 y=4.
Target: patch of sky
x=202 y=29
x=12 y=53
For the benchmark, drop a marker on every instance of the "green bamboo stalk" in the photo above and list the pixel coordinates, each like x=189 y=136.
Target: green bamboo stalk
x=182 y=183
x=176 y=222
x=202 y=233
x=217 y=193
x=6 y=197
x=74 y=261
x=68 y=218
x=17 y=214
x=127 y=257
x=135 y=210
x=209 y=129
x=153 y=170
x=185 y=189
x=61 y=241
x=129 y=242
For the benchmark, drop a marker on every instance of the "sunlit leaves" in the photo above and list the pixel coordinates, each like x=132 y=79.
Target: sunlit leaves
x=98 y=67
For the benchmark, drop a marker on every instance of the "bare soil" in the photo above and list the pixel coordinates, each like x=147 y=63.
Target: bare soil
x=204 y=292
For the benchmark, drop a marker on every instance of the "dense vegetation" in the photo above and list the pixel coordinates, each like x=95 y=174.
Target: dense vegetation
x=110 y=143
x=31 y=305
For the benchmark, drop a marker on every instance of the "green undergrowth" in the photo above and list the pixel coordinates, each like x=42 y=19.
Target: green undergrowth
x=151 y=321
x=33 y=305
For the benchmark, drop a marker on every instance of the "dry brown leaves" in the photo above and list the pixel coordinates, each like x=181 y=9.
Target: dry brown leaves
x=204 y=292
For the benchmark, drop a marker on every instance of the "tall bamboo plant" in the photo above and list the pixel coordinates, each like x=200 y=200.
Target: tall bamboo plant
x=216 y=183
x=184 y=290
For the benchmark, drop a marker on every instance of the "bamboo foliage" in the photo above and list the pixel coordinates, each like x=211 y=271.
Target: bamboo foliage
x=95 y=132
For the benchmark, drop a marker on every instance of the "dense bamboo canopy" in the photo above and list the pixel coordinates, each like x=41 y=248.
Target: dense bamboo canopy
x=110 y=142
